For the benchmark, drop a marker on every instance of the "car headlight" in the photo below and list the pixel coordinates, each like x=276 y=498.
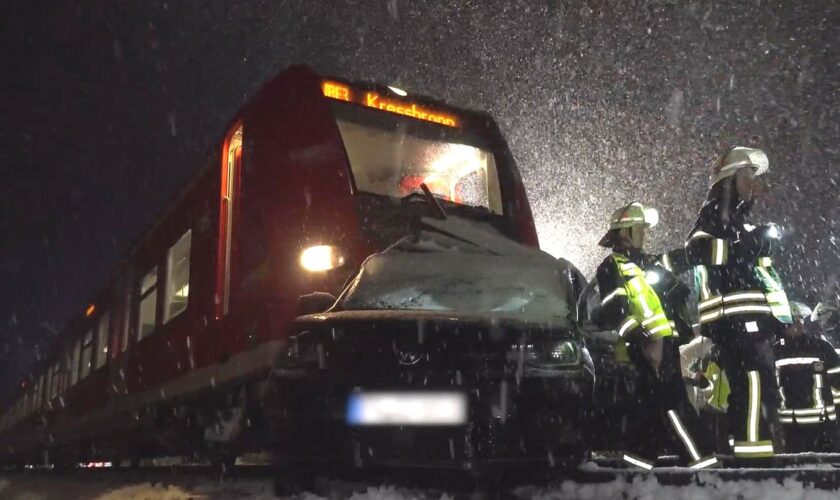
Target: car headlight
x=564 y=353
x=321 y=258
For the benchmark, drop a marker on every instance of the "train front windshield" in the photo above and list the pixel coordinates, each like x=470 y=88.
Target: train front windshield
x=391 y=154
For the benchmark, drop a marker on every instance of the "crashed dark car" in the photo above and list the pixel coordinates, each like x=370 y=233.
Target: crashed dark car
x=441 y=354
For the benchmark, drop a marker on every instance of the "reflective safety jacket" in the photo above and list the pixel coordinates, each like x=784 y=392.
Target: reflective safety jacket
x=719 y=394
x=628 y=302
x=808 y=368
x=734 y=274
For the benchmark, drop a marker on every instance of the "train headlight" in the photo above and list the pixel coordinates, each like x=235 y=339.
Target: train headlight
x=321 y=258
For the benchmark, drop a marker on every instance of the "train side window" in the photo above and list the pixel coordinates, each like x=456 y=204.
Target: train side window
x=87 y=355
x=147 y=317
x=74 y=361
x=178 y=277
x=102 y=339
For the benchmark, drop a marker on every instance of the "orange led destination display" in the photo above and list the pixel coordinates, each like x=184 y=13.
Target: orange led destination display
x=371 y=99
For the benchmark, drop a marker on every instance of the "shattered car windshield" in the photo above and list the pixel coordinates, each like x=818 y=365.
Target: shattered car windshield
x=435 y=272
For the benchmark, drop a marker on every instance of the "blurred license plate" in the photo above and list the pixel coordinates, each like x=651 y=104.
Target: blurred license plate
x=407 y=408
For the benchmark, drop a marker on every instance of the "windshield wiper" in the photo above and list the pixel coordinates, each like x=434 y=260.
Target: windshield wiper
x=433 y=201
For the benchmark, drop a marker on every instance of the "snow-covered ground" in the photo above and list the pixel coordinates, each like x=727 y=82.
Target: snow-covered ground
x=44 y=487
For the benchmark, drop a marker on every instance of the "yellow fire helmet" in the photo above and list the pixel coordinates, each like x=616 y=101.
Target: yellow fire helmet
x=634 y=214
x=736 y=158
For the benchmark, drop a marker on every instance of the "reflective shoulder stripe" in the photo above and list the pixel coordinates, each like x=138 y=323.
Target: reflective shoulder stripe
x=769 y=278
x=699 y=234
x=630 y=269
x=796 y=361
x=615 y=293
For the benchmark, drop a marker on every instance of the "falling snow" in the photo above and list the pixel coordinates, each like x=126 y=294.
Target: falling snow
x=108 y=111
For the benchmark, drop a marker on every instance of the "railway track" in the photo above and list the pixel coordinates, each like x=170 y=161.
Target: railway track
x=806 y=472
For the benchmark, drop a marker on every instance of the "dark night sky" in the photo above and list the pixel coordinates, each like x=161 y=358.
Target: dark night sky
x=108 y=107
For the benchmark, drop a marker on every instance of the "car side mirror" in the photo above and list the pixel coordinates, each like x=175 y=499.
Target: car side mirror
x=315 y=302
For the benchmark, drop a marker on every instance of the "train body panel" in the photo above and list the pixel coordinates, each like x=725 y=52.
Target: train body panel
x=206 y=297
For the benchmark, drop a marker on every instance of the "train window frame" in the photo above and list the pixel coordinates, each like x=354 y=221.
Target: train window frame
x=68 y=367
x=147 y=297
x=103 y=327
x=48 y=391
x=125 y=326
x=56 y=380
x=87 y=348
x=40 y=392
x=73 y=360
x=173 y=269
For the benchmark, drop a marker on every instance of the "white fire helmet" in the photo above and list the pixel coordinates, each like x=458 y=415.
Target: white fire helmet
x=634 y=214
x=736 y=158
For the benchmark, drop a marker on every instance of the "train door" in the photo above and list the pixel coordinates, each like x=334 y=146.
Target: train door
x=231 y=172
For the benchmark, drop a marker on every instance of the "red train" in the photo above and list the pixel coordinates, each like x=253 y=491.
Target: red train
x=311 y=176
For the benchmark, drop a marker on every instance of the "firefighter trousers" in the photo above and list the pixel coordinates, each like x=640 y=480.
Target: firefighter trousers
x=662 y=418
x=747 y=358
x=819 y=438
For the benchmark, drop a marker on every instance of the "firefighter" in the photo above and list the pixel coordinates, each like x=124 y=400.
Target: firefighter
x=826 y=319
x=631 y=306
x=742 y=305
x=808 y=367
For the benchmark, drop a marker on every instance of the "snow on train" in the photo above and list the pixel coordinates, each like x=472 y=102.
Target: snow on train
x=312 y=175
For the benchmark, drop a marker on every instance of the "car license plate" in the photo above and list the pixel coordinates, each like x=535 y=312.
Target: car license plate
x=407 y=408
